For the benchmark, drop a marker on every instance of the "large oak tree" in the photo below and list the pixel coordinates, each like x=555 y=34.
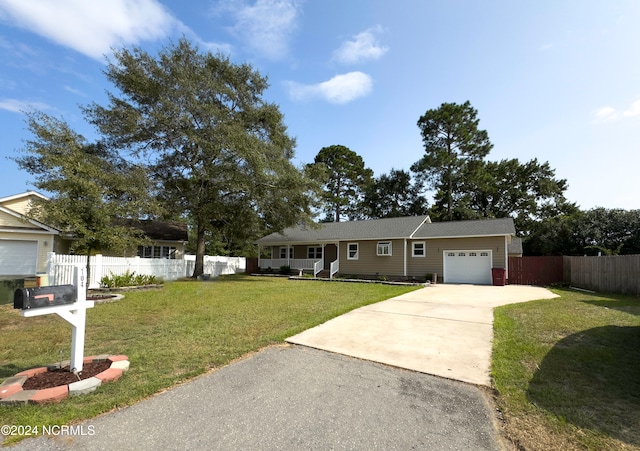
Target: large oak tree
x=214 y=146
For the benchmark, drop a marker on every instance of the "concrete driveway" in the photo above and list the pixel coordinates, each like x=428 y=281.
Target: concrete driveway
x=444 y=330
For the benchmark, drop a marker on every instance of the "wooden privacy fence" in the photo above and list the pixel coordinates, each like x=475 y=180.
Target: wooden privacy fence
x=60 y=267
x=539 y=271
x=610 y=273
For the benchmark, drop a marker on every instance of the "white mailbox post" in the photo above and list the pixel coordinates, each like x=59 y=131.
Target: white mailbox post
x=75 y=314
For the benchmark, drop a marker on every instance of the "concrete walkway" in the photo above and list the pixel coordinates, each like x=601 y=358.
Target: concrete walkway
x=444 y=330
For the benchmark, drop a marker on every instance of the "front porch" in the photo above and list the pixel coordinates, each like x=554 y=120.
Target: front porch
x=319 y=257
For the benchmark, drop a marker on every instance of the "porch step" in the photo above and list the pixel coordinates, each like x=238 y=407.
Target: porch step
x=324 y=274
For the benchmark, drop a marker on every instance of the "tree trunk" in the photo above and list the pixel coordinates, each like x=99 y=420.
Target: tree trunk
x=339 y=199
x=200 y=248
x=449 y=196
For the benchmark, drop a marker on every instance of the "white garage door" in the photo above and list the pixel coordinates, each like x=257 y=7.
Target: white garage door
x=18 y=258
x=467 y=267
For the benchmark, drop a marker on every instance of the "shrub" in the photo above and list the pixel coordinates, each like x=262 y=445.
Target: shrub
x=285 y=269
x=128 y=279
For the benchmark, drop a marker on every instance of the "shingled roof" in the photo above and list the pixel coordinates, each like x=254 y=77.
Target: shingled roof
x=458 y=229
x=387 y=228
x=390 y=228
x=162 y=230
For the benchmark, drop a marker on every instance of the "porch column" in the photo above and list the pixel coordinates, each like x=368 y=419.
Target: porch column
x=259 y=252
x=323 y=252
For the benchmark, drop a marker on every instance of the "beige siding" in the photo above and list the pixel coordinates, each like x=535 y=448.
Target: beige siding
x=433 y=262
x=7 y=220
x=20 y=205
x=43 y=248
x=369 y=263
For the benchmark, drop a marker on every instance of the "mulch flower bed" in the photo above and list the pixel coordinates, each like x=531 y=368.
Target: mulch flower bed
x=63 y=376
x=53 y=383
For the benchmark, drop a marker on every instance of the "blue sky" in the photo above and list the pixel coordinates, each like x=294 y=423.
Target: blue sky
x=556 y=80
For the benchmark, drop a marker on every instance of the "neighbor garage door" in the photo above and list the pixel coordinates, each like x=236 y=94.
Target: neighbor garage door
x=467 y=267
x=18 y=258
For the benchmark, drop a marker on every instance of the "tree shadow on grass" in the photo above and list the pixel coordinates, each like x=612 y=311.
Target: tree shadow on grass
x=591 y=380
x=627 y=304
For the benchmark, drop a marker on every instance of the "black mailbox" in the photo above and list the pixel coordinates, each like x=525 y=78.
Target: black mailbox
x=26 y=298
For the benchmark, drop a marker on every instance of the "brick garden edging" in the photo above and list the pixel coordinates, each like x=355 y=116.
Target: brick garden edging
x=12 y=394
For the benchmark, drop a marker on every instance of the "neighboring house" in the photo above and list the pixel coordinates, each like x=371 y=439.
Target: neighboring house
x=409 y=247
x=168 y=239
x=515 y=247
x=25 y=243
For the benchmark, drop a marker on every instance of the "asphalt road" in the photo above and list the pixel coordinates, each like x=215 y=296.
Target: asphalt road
x=295 y=398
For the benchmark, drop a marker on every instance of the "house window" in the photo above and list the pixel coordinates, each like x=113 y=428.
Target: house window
x=384 y=248
x=314 y=252
x=283 y=252
x=352 y=251
x=418 y=249
x=168 y=252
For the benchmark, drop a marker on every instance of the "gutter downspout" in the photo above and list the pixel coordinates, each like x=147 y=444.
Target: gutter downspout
x=405 y=259
x=506 y=259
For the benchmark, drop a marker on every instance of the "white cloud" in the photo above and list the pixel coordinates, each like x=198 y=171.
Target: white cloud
x=75 y=91
x=266 y=26
x=608 y=114
x=364 y=46
x=91 y=27
x=340 y=89
x=633 y=110
x=605 y=113
x=19 y=106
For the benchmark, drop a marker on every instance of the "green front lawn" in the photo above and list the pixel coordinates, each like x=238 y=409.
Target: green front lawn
x=567 y=371
x=172 y=335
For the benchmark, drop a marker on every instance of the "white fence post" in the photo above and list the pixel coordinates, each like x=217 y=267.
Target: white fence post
x=51 y=267
x=96 y=274
x=136 y=262
x=60 y=268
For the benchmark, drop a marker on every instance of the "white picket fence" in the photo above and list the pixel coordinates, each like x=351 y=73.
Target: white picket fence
x=60 y=267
